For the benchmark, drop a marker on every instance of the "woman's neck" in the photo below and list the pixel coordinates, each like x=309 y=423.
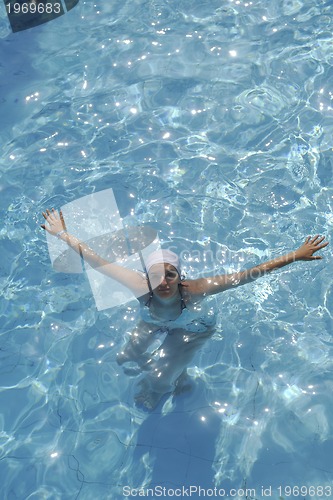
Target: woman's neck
x=166 y=309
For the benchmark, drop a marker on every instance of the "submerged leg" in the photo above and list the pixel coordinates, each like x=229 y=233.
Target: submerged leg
x=168 y=369
x=139 y=341
x=183 y=383
x=150 y=395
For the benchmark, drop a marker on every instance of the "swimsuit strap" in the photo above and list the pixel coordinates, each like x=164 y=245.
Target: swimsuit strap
x=182 y=301
x=150 y=292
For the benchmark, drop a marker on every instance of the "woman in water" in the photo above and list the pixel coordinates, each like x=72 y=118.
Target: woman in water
x=171 y=309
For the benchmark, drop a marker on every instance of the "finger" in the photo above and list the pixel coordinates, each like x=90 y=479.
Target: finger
x=308 y=239
x=315 y=237
x=318 y=246
x=49 y=214
x=320 y=240
x=48 y=218
x=52 y=215
x=322 y=246
x=62 y=220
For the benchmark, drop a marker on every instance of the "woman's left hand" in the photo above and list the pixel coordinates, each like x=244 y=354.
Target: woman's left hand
x=309 y=247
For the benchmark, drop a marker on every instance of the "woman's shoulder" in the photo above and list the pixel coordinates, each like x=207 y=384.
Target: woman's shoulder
x=193 y=288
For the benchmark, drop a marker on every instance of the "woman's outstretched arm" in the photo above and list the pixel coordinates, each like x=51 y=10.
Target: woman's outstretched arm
x=131 y=279
x=217 y=284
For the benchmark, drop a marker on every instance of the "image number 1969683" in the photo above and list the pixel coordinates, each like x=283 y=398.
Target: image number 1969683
x=25 y=14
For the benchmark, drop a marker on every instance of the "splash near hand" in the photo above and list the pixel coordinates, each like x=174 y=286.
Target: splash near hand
x=309 y=247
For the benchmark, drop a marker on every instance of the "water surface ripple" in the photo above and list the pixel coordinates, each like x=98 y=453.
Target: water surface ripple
x=213 y=121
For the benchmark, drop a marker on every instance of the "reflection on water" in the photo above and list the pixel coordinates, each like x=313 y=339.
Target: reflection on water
x=213 y=123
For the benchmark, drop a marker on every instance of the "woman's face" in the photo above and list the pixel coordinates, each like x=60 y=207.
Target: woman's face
x=164 y=280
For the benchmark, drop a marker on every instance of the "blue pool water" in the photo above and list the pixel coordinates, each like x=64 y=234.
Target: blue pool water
x=213 y=122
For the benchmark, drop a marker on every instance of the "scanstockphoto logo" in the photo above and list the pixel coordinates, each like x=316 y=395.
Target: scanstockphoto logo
x=25 y=14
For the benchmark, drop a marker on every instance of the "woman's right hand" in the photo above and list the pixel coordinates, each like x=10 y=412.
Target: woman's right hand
x=55 y=222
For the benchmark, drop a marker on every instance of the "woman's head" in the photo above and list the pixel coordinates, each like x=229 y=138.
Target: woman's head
x=163 y=272
x=162 y=257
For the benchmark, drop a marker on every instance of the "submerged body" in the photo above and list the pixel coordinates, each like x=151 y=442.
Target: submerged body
x=163 y=348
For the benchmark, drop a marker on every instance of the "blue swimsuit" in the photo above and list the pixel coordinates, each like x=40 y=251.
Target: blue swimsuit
x=200 y=319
